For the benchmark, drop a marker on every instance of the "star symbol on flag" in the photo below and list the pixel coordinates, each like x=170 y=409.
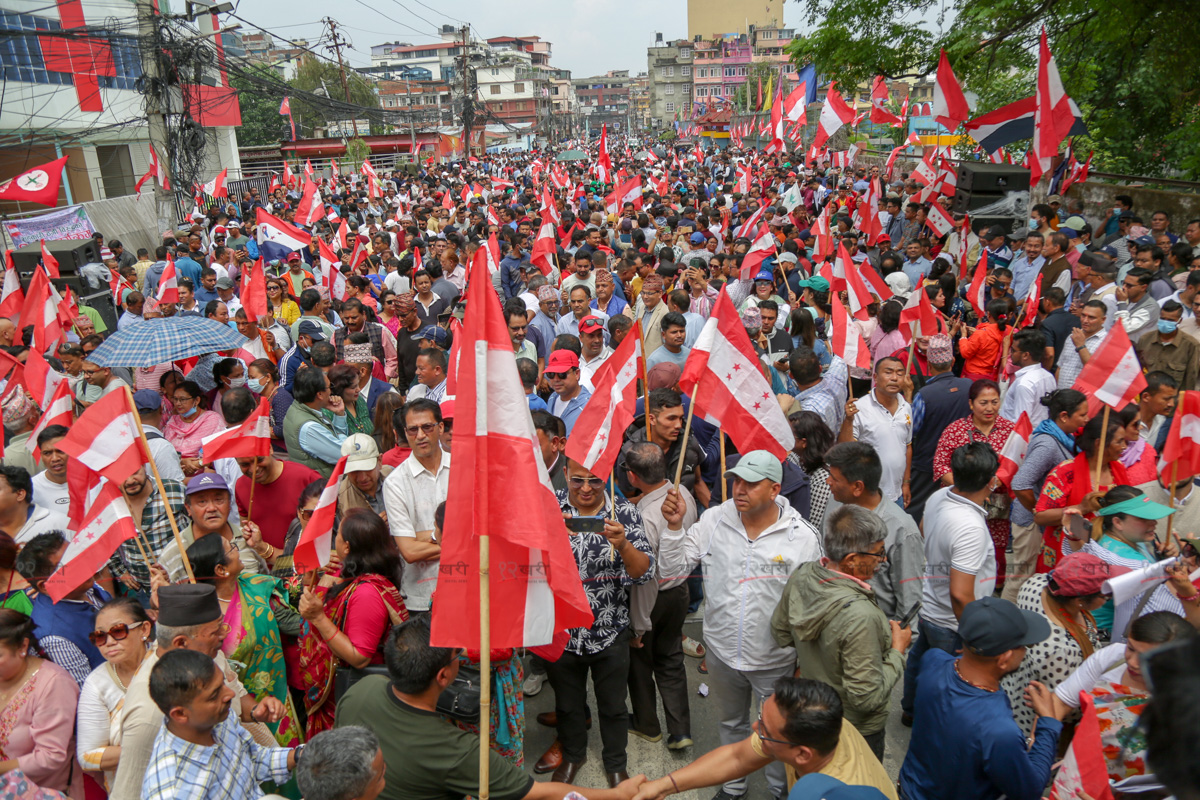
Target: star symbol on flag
x=766 y=396
x=737 y=367
x=90 y=535
x=601 y=436
x=757 y=406
x=729 y=376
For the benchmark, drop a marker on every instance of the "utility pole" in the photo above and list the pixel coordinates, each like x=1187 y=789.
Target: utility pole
x=148 y=22
x=336 y=47
x=412 y=120
x=468 y=112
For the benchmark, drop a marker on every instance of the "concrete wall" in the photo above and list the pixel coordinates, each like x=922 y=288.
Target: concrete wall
x=1098 y=197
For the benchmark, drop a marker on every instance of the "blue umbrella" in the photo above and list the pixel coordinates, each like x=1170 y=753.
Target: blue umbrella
x=161 y=340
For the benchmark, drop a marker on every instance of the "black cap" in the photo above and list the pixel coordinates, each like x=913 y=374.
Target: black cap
x=995 y=231
x=183 y=605
x=990 y=626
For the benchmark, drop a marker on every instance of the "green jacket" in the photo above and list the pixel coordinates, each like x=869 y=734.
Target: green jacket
x=842 y=638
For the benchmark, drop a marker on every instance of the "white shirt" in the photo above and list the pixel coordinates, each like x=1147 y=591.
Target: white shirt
x=166 y=458
x=890 y=434
x=1029 y=386
x=51 y=495
x=1177 y=297
x=1107 y=663
x=40 y=520
x=588 y=369
x=744 y=579
x=1069 y=363
x=396 y=282
x=956 y=537
x=410 y=496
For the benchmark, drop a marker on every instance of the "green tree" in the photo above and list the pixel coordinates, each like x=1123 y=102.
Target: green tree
x=1130 y=65
x=357 y=151
x=323 y=79
x=261 y=121
x=759 y=71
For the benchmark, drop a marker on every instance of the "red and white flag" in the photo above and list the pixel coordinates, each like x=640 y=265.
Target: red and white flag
x=288 y=176
x=847 y=341
x=763 y=247
x=59 y=411
x=157 y=171
x=497 y=466
x=1084 y=769
x=1113 y=376
x=316 y=539
x=168 y=283
x=41 y=311
x=12 y=297
x=247 y=440
x=925 y=172
x=216 y=187
x=919 y=311
x=1012 y=454
x=1182 y=449
x=38 y=184
x=331 y=273
x=106 y=524
x=596 y=439
x=49 y=262
x=777 y=143
x=857 y=293
x=104 y=438
x=310 y=208
x=1052 y=116
x=1032 y=304
x=979 y=285
x=939 y=220
x=545 y=246
x=40 y=378
x=749 y=228
x=722 y=376
x=949 y=105
x=834 y=114
x=286 y=108
x=880 y=115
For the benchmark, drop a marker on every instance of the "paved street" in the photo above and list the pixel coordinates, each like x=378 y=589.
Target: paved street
x=655 y=760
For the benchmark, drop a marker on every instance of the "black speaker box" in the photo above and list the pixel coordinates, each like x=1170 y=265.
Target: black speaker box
x=70 y=253
x=976 y=176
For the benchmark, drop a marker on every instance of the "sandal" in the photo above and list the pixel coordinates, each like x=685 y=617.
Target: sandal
x=692 y=648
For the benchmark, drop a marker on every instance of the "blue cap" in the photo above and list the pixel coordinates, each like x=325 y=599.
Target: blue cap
x=765 y=275
x=826 y=787
x=433 y=333
x=1144 y=241
x=697 y=238
x=147 y=400
x=312 y=330
x=204 y=481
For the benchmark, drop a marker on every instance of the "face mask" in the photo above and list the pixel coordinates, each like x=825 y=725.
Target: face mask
x=254 y=385
x=1033 y=223
x=237 y=383
x=190 y=412
x=1081 y=248
x=1167 y=326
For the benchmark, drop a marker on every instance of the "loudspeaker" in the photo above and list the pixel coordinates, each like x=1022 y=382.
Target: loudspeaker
x=978 y=176
x=70 y=253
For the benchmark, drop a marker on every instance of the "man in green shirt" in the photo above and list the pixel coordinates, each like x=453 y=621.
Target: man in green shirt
x=427 y=757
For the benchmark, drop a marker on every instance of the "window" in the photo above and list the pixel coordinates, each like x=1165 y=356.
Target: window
x=701 y=91
x=499 y=106
x=495 y=89
x=730 y=72
x=518 y=87
x=741 y=71
x=670 y=88
x=685 y=52
x=495 y=71
x=766 y=34
x=687 y=88
x=685 y=72
x=670 y=108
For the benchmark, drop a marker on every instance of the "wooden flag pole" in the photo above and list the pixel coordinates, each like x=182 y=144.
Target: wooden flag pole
x=1097 y=524
x=253 y=483
x=912 y=346
x=1171 y=518
x=612 y=509
x=724 y=483
x=187 y=564
x=687 y=430
x=645 y=385
x=485 y=667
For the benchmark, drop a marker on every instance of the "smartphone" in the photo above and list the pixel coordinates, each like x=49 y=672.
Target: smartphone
x=911 y=615
x=1078 y=527
x=585 y=524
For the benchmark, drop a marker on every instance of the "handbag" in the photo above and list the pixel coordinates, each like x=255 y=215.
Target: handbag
x=459 y=701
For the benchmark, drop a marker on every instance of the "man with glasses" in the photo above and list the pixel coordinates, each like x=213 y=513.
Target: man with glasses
x=613 y=554
x=189 y=618
x=411 y=495
x=1025 y=267
x=800 y=725
x=749 y=548
x=562 y=373
x=1136 y=307
x=100 y=379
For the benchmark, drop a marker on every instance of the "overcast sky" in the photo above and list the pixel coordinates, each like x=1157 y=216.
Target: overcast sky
x=588 y=37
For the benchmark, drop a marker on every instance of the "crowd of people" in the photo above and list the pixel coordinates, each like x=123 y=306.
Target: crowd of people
x=883 y=555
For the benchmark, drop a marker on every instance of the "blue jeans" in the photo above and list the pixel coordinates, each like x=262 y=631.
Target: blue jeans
x=930 y=636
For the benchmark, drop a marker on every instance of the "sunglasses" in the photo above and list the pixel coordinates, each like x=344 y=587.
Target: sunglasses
x=427 y=428
x=118 y=632
x=578 y=483
x=550 y=376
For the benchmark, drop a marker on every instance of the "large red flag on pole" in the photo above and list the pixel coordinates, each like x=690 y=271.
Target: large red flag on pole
x=596 y=438
x=1113 y=376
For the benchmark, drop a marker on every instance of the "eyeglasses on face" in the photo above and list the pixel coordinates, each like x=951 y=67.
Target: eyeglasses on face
x=760 y=727
x=426 y=428
x=118 y=632
x=592 y=482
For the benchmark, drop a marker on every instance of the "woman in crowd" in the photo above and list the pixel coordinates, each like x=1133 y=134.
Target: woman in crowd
x=228 y=373
x=1070 y=486
x=256 y=612
x=167 y=384
x=343 y=383
x=804 y=332
x=1139 y=459
x=14 y=595
x=887 y=338
x=387 y=312
x=813 y=439
x=1067 y=596
x=385 y=431
x=191 y=424
x=349 y=616
x=125 y=635
x=264 y=381
x=1113 y=677
x=283 y=308
x=37 y=722
x=983 y=346
x=983 y=425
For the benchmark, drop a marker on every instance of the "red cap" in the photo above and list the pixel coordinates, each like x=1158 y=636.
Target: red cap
x=1081 y=573
x=561 y=361
x=447 y=407
x=590 y=324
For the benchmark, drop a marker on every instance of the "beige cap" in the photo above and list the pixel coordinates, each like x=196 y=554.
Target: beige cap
x=361 y=452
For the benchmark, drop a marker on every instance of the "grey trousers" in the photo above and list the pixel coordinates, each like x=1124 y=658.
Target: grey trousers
x=737 y=693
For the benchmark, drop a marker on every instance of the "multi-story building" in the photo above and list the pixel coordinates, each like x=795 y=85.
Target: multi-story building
x=669 y=67
x=422 y=104
x=722 y=65
x=639 y=101
x=712 y=18
x=564 y=105
x=604 y=100
x=442 y=59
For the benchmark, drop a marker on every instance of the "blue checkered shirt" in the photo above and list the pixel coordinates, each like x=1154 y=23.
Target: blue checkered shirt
x=231 y=769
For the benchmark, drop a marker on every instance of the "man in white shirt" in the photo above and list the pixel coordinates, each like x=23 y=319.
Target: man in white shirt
x=1084 y=341
x=960 y=558
x=149 y=405
x=1032 y=381
x=594 y=351
x=411 y=495
x=883 y=419
x=750 y=546
x=50 y=485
